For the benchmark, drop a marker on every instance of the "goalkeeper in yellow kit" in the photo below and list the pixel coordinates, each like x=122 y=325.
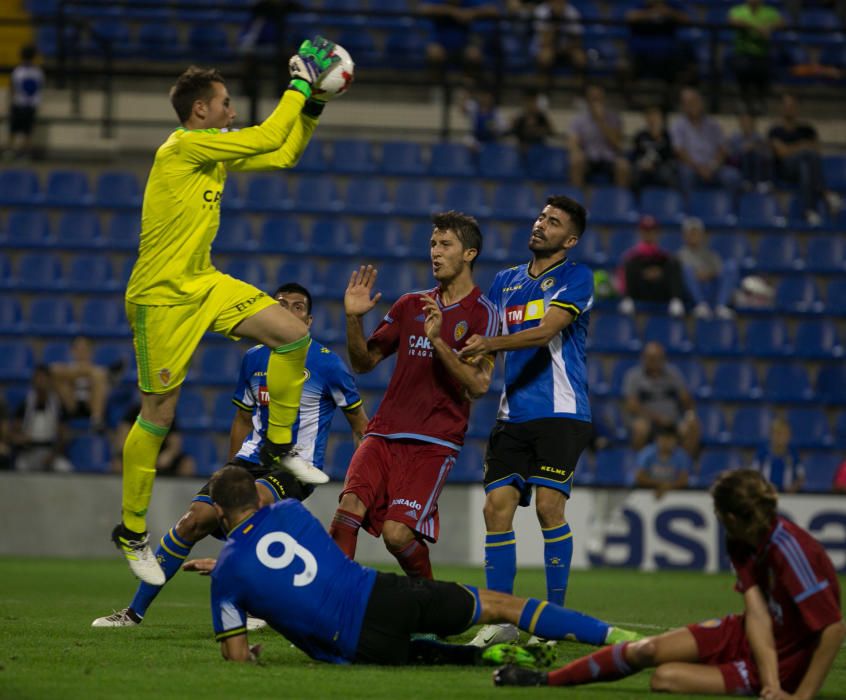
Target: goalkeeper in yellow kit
x=175 y=294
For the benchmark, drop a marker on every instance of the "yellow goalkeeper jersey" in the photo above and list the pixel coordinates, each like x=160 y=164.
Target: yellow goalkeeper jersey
x=181 y=210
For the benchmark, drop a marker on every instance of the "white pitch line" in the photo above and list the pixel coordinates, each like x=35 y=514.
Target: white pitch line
x=642 y=625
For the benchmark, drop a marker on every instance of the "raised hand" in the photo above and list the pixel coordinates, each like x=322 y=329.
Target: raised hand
x=310 y=62
x=357 y=299
x=434 y=318
x=476 y=345
x=201 y=566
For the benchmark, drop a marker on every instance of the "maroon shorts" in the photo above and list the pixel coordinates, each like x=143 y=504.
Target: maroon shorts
x=400 y=480
x=722 y=643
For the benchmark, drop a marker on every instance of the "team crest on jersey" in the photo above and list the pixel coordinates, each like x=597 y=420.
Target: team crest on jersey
x=306 y=375
x=711 y=624
x=164 y=376
x=460 y=330
x=547 y=283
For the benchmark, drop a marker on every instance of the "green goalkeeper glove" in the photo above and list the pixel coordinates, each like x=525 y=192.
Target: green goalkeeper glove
x=309 y=63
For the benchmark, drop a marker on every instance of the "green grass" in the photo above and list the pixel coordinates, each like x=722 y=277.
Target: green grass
x=49 y=650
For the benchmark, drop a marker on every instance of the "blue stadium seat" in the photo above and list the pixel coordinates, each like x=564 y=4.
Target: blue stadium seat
x=483 y=416
x=596 y=379
x=590 y=250
x=198 y=11
x=204 y=452
x=820 y=468
x=339 y=458
x=820 y=18
x=337 y=236
x=826 y=253
x=336 y=275
x=386 y=238
x=109 y=354
x=402 y=158
x=840 y=430
x=466 y=196
x=407 y=49
x=712 y=463
x=614 y=467
x=817 y=339
x=786 y=382
x=614 y=333
x=91 y=273
x=159 y=40
x=831 y=385
x=117 y=190
x=693 y=372
x=469 y=466
x=798 y=295
x=608 y=420
x=767 y=337
x=28 y=229
x=834 y=167
x=39 y=272
x=223 y=412
x=267 y=193
x=123 y=232
x=317 y=194
x=248 y=270
x=451 y=160
x=90 y=454
x=367 y=197
x=732 y=246
x=415 y=198
x=16 y=360
x=670 y=332
x=836 y=297
x=664 y=204
x=6 y=279
x=778 y=253
x=79 y=229
x=750 y=426
x=618 y=374
x=611 y=205
x=67 y=188
x=283 y=234
x=352 y=157
x=19 y=187
x=218 y=364
x=235 y=235
x=313 y=160
x=712 y=423
x=191 y=413
x=328 y=323
x=295 y=271
x=500 y=161
x=210 y=40
x=716 y=337
x=809 y=428
x=51 y=316
x=620 y=241
x=548 y=163
x=377 y=379
x=513 y=200
x=758 y=210
x=103 y=318
x=735 y=381
x=359 y=41
x=714 y=207
x=57 y=351
x=10 y=315
x=231 y=200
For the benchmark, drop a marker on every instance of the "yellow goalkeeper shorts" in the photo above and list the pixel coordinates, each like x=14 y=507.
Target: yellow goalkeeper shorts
x=165 y=337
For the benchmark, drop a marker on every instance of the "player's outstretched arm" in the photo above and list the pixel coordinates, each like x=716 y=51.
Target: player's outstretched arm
x=202 y=566
x=553 y=322
x=759 y=631
x=359 y=300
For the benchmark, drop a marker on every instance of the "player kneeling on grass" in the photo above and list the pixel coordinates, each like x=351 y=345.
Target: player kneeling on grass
x=279 y=564
x=781 y=647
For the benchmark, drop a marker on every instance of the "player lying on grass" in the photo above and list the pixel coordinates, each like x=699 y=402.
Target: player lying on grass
x=781 y=647
x=279 y=564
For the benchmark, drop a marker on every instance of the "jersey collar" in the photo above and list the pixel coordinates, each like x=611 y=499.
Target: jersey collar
x=550 y=268
x=465 y=303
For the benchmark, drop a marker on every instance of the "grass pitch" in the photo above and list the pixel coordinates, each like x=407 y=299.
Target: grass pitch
x=49 y=650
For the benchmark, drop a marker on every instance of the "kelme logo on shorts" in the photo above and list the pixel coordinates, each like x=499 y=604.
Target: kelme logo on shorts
x=164 y=376
x=460 y=330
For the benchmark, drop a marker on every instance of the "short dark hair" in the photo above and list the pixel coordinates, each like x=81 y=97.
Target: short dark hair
x=294 y=288
x=233 y=488
x=465 y=227
x=576 y=212
x=194 y=84
x=29 y=52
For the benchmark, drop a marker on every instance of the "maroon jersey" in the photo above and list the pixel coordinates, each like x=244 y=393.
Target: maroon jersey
x=423 y=400
x=797 y=580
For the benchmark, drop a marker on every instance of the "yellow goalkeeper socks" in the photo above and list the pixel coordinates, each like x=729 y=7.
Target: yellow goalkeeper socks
x=140 y=452
x=285 y=378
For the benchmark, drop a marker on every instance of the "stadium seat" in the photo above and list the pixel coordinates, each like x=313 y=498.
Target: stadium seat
x=57 y=351
x=712 y=424
x=328 y=323
x=402 y=158
x=712 y=463
x=210 y=40
x=664 y=204
x=39 y=272
x=608 y=420
x=451 y=160
x=204 y=452
x=500 y=161
x=267 y=193
x=834 y=166
x=714 y=207
x=378 y=378
x=614 y=333
x=825 y=254
x=831 y=384
x=787 y=382
x=159 y=40
x=732 y=246
x=466 y=196
x=218 y=364
x=27 y=229
x=79 y=229
x=313 y=159
x=820 y=468
x=67 y=188
x=766 y=337
x=415 y=198
x=118 y=190
x=483 y=416
x=51 y=316
x=223 y=412
x=317 y=194
x=716 y=337
x=235 y=235
x=198 y=11
x=778 y=253
x=799 y=295
x=693 y=372
x=614 y=467
x=337 y=236
x=759 y=211
x=367 y=197
x=103 y=318
x=836 y=297
x=10 y=315
x=113 y=354
x=817 y=339
x=750 y=426
x=596 y=379
x=231 y=200
x=618 y=375
x=469 y=466
x=611 y=205
x=620 y=241
x=123 y=232
x=335 y=276
x=191 y=413
x=352 y=156
x=670 y=332
x=386 y=238
x=90 y=454
x=91 y=273
x=548 y=163
x=283 y=234
x=513 y=201
x=735 y=381
x=6 y=280
x=18 y=187
x=840 y=430
x=294 y=271
x=809 y=428
x=16 y=360
x=248 y=270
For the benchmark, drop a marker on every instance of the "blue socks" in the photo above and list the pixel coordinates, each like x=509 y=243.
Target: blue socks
x=557 y=555
x=501 y=561
x=554 y=622
x=171 y=553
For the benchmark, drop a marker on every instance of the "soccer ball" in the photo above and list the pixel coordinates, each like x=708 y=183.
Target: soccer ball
x=339 y=78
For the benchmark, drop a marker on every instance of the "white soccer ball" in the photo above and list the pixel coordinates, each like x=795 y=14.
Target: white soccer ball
x=339 y=78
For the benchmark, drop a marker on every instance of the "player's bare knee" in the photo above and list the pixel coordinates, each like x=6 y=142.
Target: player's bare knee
x=498 y=515
x=641 y=654
x=550 y=514
x=195 y=525
x=396 y=535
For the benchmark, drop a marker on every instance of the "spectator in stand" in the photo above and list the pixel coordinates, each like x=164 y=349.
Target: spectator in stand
x=750 y=153
x=655 y=50
x=839 y=483
x=649 y=273
x=778 y=461
x=26 y=85
x=710 y=280
x=38 y=430
x=798 y=161
x=663 y=465
x=700 y=147
x=172 y=459
x=486 y=119
x=755 y=23
x=653 y=160
x=558 y=40
x=656 y=396
x=596 y=142
x=82 y=385
x=532 y=124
